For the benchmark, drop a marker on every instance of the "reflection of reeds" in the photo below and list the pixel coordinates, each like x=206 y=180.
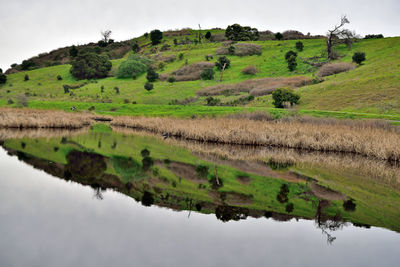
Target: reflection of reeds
x=364 y=139
x=350 y=165
x=39 y=133
x=28 y=118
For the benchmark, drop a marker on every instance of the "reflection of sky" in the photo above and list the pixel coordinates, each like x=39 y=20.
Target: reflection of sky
x=50 y=222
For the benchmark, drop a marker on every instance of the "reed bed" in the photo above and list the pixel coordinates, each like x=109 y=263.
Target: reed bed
x=29 y=118
x=361 y=138
x=33 y=133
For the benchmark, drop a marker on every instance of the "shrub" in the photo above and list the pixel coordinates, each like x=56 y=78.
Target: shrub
x=126 y=101
x=251 y=70
x=292 y=64
x=282 y=95
x=208 y=57
x=236 y=32
x=133 y=67
x=90 y=66
x=28 y=64
x=289 y=54
x=26 y=77
x=223 y=61
x=152 y=75
x=156 y=37
x=148 y=86
x=299 y=46
x=231 y=50
x=135 y=47
x=161 y=66
x=3 y=78
x=180 y=56
x=175 y=42
x=165 y=47
x=359 y=57
x=335 y=68
x=211 y=101
x=10 y=102
x=171 y=79
x=116 y=88
x=59 y=78
x=208 y=35
x=207 y=74
x=373 y=36
x=278 y=36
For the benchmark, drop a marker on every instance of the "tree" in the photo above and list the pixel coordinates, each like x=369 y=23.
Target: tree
x=208 y=35
x=359 y=57
x=289 y=54
x=73 y=51
x=278 y=36
x=28 y=64
x=235 y=32
x=90 y=66
x=282 y=95
x=134 y=66
x=337 y=36
x=148 y=86
x=292 y=64
x=299 y=46
x=3 y=78
x=135 y=47
x=223 y=63
x=152 y=75
x=156 y=37
x=106 y=35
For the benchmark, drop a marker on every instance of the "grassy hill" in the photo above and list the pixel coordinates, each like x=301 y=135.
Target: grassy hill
x=371 y=88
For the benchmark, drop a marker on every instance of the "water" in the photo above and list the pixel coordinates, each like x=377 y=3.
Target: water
x=75 y=220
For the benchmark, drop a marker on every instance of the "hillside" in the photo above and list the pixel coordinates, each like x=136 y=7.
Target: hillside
x=373 y=87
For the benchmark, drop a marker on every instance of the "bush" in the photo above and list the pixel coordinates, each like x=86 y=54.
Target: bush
x=223 y=61
x=282 y=95
x=161 y=66
x=148 y=86
x=299 y=46
x=373 y=36
x=59 y=78
x=207 y=74
x=90 y=66
x=335 y=68
x=135 y=47
x=208 y=57
x=171 y=79
x=156 y=37
x=28 y=64
x=292 y=64
x=211 y=101
x=208 y=35
x=359 y=57
x=251 y=70
x=165 y=47
x=26 y=77
x=132 y=67
x=180 y=57
x=236 y=32
x=289 y=54
x=152 y=75
x=116 y=88
x=3 y=78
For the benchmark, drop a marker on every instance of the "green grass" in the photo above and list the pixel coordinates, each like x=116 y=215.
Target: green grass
x=373 y=88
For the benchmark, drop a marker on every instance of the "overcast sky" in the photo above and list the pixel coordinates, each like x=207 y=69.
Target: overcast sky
x=30 y=27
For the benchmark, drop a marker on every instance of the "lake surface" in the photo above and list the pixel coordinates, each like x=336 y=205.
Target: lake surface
x=121 y=198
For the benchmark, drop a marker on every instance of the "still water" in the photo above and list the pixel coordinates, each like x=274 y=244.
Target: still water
x=55 y=210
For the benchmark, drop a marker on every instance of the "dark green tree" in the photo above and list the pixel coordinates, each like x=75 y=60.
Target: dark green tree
x=207 y=74
x=223 y=61
x=278 y=36
x=299 y=46
x=90 y=66
x=148 y=86
x=208 y=35
x=359 y=57
x=3 y=78
x=152 y=75
x=156 y=37
x=73 y=51
x=135 y=47
x=236 y=32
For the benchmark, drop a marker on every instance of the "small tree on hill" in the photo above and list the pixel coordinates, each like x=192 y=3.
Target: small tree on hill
x=337 y=36
x=282 y=95
x=156 y=37
x=106 y=35
x=152 y=75
x=135 y=47
x=278 y=36
x=208 y=35
x=236 y=32
x=292 y=64
x=299 y=46
x=223 y=63
x=73 y=51
x=359 y=57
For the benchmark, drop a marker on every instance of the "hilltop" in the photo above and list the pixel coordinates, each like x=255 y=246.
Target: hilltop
x=373 y=87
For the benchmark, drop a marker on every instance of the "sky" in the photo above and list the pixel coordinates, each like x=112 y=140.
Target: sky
x=28 y=27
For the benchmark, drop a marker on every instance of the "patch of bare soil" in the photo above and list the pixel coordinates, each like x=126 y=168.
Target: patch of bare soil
x=183 y=170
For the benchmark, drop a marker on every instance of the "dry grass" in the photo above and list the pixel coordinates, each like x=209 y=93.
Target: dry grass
x=14 y=133
x=28 y=118
x=335 y=68
x=362 y=139
x=256 y=87
x=188 y=73
x=251 y=70
x=166 y=59
x=241 y=49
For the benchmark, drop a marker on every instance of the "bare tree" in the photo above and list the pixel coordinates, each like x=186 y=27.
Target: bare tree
x=337 y=36
x=106 y=35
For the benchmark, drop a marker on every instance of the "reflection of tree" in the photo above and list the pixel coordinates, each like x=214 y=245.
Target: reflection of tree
x=85 y=165
x=147 y=199
x=328 y=223
x=227 y=213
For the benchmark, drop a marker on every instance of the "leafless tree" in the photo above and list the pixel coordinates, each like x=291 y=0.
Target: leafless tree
x=106 y=35
x=337 y=36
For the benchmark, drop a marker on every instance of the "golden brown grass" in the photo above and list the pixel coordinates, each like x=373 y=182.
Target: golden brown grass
x=15 y=133
x=29 y=118
x=256 y=87
x=190 y=72
x=335 y=68
x=364 y=139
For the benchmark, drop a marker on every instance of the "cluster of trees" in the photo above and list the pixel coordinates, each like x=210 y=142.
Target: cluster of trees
x=284 y=95
x=373 y=36
x=90 y=66
x=236 y=32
